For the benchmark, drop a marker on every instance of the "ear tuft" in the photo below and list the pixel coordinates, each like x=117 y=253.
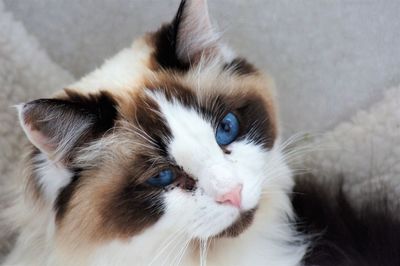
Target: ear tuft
x=35 y=136
x=53 y=126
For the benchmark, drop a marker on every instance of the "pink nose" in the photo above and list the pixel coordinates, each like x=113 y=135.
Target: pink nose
x=233 y=197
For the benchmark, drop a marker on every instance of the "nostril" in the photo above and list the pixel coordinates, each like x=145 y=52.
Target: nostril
x=233 y=197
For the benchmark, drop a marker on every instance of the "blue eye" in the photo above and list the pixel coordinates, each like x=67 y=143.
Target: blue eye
x=163 y=179
x=228 y=130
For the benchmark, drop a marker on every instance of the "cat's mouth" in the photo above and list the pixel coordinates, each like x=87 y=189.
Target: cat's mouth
x=240 y=225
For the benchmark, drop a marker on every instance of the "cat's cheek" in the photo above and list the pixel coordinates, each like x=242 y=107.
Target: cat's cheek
x=251 y=194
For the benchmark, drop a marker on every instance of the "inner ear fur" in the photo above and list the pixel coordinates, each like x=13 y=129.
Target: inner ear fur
x=189 y=38
x=57 y=126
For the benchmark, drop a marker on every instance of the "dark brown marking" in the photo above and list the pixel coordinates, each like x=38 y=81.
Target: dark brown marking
x=240 y=225
x=133 y=205
x=240 y=66
x=131 y=208
x=165 y=43
x=148 y=119
x=185 y=181
x=176 y=91
x=226 y=151
x=255 y=121
x=64 y=197
x=102 y=105
x=32 y=182
x=344 y=234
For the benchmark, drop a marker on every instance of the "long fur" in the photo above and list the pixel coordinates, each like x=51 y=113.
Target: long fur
x=344 y=233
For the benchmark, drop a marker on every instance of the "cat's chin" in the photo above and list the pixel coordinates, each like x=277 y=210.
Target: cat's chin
x=227 y=227
x=242 y=223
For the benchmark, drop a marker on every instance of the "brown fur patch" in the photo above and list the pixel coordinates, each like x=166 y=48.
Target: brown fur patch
x=240 y=66
x=64 y=197
x=240 y=225
x=32 y=182
x=147 y=117
x=102 y=105
x=165 y=43
x=130 y=209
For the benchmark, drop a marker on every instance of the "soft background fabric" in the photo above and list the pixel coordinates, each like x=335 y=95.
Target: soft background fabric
x=331 y=60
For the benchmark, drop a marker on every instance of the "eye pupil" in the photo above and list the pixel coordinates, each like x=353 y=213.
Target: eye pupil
x=226 y=126
x=227 y=130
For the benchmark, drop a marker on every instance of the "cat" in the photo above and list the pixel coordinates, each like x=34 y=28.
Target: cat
x=170 y=154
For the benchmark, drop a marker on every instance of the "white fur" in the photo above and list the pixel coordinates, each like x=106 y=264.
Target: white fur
x=51 y=176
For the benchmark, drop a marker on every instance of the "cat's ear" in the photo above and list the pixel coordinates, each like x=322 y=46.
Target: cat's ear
x=57 y=126
x=188 y=38
x=195 y=35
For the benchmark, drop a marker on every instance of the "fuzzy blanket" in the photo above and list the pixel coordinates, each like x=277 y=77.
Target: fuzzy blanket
x=363 y=152
x=364 y=149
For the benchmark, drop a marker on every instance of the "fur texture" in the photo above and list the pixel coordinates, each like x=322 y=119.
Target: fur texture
x=343 y=234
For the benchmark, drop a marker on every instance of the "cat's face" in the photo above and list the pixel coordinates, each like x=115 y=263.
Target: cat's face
x=175 y=133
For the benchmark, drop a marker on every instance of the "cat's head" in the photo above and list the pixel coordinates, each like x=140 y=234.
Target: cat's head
x=175 y=133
